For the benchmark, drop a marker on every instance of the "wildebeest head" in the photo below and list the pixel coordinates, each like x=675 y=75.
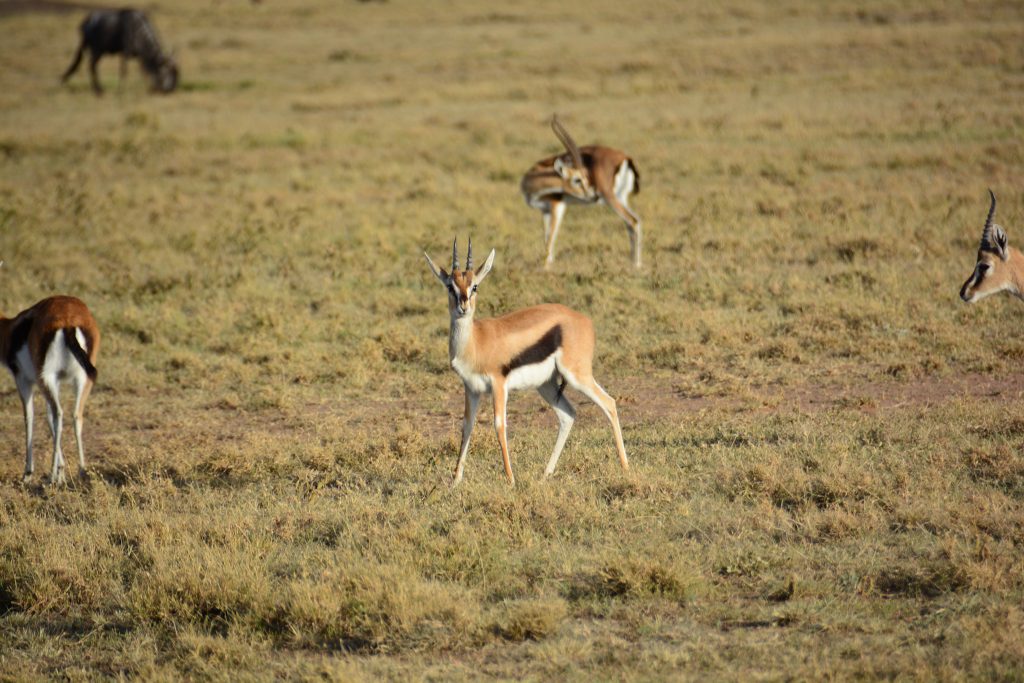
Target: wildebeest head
x=165 y=77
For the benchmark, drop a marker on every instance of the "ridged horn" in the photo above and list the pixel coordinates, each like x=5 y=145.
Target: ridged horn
x=570 y=144
x=986 y=232
x=469 y=255
x=455 y=254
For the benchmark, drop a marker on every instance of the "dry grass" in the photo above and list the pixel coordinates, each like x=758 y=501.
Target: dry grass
x=275 y=421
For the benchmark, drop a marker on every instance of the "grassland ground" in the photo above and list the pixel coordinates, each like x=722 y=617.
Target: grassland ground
x=827 y=476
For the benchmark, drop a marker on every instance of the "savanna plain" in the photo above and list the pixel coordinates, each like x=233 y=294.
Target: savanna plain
x=827 y=479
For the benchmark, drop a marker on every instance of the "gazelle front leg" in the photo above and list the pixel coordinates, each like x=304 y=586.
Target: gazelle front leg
x=553 y=214
x=81 y=396
x=500 y=403
x=468 y=420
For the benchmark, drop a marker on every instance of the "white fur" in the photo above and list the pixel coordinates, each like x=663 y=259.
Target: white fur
x=475 y=382
x=625 y=181
x=533 y=375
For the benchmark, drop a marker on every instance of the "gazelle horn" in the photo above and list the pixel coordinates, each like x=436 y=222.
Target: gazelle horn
x=469 y=255
x=570 y=144
x=455 y=254
x=986 y=232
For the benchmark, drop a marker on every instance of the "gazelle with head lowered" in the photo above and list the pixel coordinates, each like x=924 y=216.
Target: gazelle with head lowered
x=582 y=175
x=999 y=268
x=544 y=347
x=55 y=340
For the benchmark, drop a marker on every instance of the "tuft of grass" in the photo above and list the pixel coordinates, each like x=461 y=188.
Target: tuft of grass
x=532 y=619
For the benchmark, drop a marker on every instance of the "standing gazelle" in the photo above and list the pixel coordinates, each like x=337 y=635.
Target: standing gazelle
x=999 y=268
x=56 y=339
x=541 y=347
x=582 y=175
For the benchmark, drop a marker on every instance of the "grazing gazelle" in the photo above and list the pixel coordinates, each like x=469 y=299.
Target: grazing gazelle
x=999 y=268
x=541 y=347
x=57 y=339
x=582 y=175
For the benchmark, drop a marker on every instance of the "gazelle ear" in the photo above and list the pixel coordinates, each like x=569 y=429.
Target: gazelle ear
x=561 y=168
x=478 y=276
x=1001 y=242
x=439 y=273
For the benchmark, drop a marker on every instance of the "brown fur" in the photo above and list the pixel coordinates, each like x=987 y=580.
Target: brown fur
x=544 y=188
x=600 y=164
x=496 y=341
x=48 y=316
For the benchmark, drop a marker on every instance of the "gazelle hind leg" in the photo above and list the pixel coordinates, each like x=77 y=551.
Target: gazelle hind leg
x=635 y=232
x=566 y=416
x=26 y=389
x=592 y=390
x=82 y=389
x=55 y=417
x=620 y=206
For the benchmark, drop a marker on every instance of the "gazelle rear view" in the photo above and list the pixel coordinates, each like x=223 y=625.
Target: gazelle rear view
x=55 y=340
x=999 y=268
x=543 y=347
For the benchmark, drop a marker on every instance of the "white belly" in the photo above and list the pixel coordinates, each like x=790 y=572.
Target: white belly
x=533 y=375
x=524 y=377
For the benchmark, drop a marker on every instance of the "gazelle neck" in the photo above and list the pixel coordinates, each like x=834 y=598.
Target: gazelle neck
x=1017 y=272
x=460 y=336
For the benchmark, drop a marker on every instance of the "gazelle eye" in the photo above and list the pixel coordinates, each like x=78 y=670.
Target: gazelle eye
x=474 y=289
x=983 y=268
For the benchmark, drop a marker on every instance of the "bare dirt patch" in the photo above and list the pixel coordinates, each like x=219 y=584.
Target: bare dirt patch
x=653 y=399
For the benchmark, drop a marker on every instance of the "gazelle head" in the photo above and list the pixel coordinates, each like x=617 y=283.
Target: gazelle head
x=461 y=284
x=574 y=175
x=993 y=272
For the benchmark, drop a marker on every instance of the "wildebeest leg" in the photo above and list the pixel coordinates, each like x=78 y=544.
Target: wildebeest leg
x=94 y=57
x=74 y=63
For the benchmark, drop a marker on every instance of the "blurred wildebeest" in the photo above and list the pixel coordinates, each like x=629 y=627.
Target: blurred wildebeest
x=126 y=32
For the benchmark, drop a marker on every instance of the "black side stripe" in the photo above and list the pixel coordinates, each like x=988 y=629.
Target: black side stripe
x=537 y=352
x=71 y=339
x=19 y=337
